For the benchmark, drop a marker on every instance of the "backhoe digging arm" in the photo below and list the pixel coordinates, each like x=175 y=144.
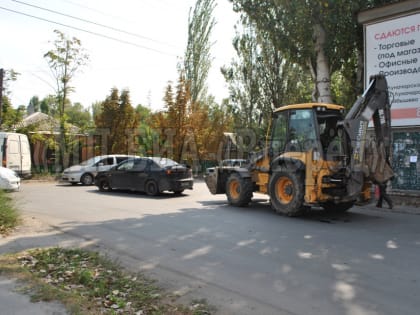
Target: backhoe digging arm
x=369 y=159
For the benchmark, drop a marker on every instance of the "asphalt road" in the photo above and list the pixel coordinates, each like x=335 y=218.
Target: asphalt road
x=242 y=260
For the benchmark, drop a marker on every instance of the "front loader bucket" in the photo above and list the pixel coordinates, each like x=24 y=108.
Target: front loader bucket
x=211 y=180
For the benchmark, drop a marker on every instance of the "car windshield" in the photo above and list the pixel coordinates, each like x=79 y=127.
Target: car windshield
x=91 y=161
x=164 y=162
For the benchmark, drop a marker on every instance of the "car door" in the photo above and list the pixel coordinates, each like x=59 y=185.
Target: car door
x=120 y=176
x=139 y=174
x=105 y=164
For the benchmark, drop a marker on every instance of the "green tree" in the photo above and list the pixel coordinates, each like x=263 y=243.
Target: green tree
x=9 y=76
x=177 y=106
x=8 y=115
x=146 y=134
x=197 y=59
x=34 y=105
x=321 y=36
x=190 y=131
x=261 y=78
x=79 y=116
x=48 y=105
x=65 y=60
x=118 y=121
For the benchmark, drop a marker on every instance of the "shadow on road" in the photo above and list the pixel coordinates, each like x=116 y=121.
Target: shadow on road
x=251 y=260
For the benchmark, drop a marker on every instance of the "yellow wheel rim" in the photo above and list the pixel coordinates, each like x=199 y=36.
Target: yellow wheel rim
x=234 y=189
x=284 y=190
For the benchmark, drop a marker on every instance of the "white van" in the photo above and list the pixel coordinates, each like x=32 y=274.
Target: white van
x=15 y=153
x=86 y=171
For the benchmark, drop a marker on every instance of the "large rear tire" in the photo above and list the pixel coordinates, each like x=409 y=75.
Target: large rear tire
x=287 y=192
x=239 y=190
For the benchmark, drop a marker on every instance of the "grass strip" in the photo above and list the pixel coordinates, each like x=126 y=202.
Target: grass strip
x=9 y=217
x=87 y=283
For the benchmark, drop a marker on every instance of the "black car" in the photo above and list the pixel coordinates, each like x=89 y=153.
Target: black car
x=152 y=175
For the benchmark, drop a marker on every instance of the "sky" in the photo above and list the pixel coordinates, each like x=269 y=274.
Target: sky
x=138 y=50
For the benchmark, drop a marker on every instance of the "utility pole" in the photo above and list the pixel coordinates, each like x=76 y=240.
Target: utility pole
x=1 y=95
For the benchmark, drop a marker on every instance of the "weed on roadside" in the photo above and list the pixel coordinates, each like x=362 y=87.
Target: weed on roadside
x=87 y=283
x=9 y=217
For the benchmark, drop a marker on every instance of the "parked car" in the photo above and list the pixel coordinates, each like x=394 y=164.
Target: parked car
x=9 y=180
x=15 y=153
x=86 y=171
x=152 y=175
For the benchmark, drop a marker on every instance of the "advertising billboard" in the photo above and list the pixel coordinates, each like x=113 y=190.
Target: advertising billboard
x=392 y=48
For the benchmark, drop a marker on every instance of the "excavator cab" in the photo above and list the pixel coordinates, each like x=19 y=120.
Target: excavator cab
x=303 y=127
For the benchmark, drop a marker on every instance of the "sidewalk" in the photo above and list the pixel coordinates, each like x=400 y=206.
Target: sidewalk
x=31 y=234
x=14 y=303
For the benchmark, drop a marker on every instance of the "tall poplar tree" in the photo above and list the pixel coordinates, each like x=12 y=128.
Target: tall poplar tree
x=197 y=59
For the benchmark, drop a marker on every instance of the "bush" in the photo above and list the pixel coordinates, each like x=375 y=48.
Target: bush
x=9 y=217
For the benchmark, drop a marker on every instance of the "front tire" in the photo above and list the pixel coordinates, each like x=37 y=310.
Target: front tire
x=104 y=185
x=86 y=179
x=152 y=188
x=286 y=191
x=239 y=190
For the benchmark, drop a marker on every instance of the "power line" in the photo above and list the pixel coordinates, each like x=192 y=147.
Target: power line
x=94 y=23
x=77 y=4
x=90 y=32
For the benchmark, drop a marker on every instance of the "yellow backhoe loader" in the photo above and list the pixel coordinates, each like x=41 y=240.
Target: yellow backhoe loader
x=316 y=156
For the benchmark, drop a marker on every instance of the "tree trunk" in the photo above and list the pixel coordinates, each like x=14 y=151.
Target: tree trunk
x=313 y=74
x=323 y=82
x=359 y=73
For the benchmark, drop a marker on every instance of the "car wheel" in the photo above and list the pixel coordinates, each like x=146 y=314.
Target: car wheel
x=152 y=188
x=104 y=185
x=86 y=179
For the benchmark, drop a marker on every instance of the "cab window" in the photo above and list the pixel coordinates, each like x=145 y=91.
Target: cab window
x=301 y=130
x=279 y=133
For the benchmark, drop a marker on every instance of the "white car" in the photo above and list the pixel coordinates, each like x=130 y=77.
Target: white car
x=9 y=180
x=86 y=171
